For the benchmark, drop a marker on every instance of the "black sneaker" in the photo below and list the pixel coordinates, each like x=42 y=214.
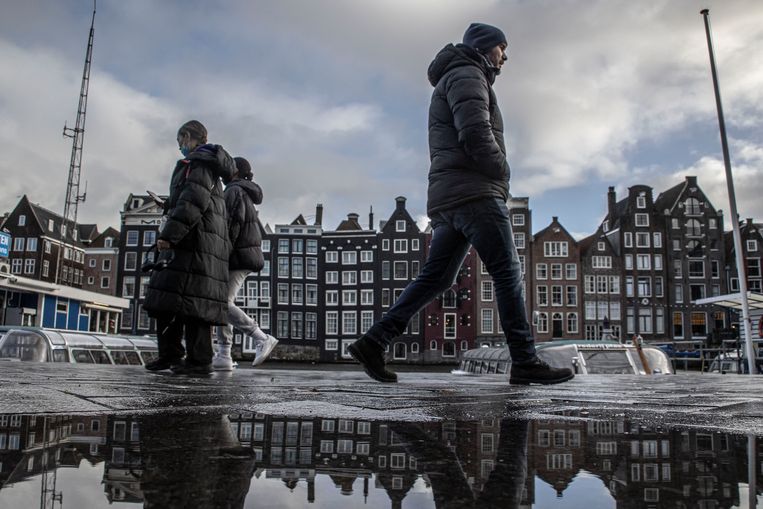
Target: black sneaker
x=160 y=364
x=371 y=356
x=536 y=371
x=192 y=369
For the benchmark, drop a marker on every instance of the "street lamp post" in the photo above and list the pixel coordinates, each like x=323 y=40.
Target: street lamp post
x=747 y=325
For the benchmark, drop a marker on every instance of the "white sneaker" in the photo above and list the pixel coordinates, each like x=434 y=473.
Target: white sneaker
x=222 y=360
x=263 y=350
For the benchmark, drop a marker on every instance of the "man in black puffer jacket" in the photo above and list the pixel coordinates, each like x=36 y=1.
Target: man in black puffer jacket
x=241 y=196
x=468 y=190
x=190 y=294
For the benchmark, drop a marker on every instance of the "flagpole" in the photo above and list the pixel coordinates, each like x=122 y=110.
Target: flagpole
x=741 y=272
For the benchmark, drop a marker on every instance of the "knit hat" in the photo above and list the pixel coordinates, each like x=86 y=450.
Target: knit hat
x=244 y=168
x=483 y=37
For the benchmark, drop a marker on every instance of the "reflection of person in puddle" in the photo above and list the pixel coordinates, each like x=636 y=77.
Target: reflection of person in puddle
x=450 y=488
x=193 y=460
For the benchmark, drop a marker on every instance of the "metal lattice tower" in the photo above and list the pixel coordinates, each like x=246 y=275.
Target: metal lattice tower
x=77 y=134
x=48 y=479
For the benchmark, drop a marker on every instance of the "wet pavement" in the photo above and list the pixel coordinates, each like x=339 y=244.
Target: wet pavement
x=92 y=436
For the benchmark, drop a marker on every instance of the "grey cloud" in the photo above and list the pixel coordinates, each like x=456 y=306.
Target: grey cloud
x=328 y=99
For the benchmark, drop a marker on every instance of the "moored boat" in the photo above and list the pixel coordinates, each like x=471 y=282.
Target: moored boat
x=584 y=357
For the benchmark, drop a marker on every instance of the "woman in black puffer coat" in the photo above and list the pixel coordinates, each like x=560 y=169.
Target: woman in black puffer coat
x=190 y=294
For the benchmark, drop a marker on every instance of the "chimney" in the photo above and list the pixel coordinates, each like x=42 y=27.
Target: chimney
x=555 y=219
x=352 y=217
x=400 y=203
x=319 y=214
x=611 y=202
x=692 y=181
x=371 y=218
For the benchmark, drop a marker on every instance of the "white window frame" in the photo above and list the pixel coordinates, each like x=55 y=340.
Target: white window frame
x=349 y=322
x=487 y=293
x=127 y=238
x=349 y=258
x=486 y=321
x=556 y=249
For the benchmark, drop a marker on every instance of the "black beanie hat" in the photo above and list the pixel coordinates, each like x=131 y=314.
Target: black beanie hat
x=244 y=168
x=483 y=37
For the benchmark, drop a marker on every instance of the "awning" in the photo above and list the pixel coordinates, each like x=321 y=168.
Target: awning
x=734 y=301
x=90 y=305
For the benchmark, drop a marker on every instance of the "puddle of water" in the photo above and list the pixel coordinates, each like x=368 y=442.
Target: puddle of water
x=253 y=460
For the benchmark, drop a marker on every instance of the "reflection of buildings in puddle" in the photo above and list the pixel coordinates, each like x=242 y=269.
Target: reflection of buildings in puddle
x=34 y=446
x=122 y=471
x=641 y=466
x=166 y=459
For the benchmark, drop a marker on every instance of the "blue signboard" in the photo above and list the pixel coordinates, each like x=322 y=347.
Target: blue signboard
x=5 y=244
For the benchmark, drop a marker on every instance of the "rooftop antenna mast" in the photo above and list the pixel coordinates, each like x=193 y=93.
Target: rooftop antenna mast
x=77 y=134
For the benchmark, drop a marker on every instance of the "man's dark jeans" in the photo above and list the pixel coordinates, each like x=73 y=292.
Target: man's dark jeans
x=485 y=225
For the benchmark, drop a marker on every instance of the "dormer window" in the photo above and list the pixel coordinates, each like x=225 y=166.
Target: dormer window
x=109 y=242
x=51 y=225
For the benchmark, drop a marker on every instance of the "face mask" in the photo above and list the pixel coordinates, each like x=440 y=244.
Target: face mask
x=185 y=151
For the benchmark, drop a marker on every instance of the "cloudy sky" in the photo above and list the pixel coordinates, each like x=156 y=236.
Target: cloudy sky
x=328 y=99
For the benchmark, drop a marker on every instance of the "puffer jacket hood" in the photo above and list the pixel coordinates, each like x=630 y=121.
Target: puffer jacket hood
x=250 y=188
x=244 y=228
x=452 y=56
x=216 y=159
x=466 y=146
